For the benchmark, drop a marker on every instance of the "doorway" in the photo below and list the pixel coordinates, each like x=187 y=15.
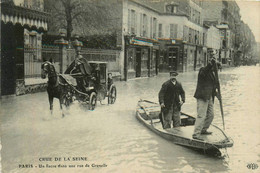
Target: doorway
x=173 y=58
x=8 y=47
x=138 y=62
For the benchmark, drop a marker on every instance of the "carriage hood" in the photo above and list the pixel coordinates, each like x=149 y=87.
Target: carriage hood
x=78 y=62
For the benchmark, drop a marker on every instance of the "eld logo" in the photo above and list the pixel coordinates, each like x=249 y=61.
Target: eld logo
x=252 y=166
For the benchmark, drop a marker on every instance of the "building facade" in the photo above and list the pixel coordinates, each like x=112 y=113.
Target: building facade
x=225 y=16
x=174 y=30
x=22 y=25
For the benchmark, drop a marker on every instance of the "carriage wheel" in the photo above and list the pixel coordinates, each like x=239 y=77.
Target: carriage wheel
x=112 y=95
x=92 y=101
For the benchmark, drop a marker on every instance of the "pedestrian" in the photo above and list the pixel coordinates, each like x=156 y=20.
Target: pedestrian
x=206 y=90
x=169 y=99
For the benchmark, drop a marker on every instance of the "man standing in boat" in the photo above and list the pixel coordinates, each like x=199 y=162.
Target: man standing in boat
x=169 y=99
x=205 y=92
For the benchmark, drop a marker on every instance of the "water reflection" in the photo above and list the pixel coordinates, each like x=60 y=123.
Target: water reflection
x=112 y=135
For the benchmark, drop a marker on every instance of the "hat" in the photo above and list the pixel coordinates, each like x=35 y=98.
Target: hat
x=173 y=73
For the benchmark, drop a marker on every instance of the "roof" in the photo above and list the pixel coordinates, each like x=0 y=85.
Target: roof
x=97 y=62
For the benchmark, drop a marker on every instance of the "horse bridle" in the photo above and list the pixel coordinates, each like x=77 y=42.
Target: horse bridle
x=49 y=69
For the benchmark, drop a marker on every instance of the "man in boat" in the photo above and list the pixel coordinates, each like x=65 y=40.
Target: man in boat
x=169 y=99
x=205 y=92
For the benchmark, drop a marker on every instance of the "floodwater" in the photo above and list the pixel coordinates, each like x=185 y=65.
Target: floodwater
x=113 y=139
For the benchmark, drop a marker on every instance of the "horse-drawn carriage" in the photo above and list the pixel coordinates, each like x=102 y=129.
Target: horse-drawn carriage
x=85 y=81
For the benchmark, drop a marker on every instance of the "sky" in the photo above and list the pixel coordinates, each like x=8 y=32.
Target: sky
x=250 y=14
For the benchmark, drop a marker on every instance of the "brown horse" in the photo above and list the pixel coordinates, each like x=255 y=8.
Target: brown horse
x=54 y=88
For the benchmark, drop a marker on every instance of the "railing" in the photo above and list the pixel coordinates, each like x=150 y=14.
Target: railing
x=32 y=62
x=110 y=56
x=33 y=59
x=51 y=53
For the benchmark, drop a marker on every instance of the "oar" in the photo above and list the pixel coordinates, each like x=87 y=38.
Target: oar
x=150 y=102
x=220 y=99
x=162 y=118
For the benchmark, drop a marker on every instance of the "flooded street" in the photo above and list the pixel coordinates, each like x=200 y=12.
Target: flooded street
x=111 y=136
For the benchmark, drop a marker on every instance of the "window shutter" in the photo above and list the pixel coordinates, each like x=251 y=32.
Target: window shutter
x=129 y=21
x=135 y=22
x=175 y=30
x=141 y=24
x=151 y=27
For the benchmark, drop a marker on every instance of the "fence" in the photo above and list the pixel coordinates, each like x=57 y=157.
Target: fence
x=33 y=58
x=32 y=62
x=109 y=56
x=51 y=53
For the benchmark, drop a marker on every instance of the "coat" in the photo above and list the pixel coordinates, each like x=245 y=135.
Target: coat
x=207 y=83
x=170 y=94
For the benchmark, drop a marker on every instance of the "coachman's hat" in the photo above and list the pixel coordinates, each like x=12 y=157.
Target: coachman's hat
x=173 y=73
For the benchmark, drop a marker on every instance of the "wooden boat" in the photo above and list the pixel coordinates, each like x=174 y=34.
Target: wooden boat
x=148 y=113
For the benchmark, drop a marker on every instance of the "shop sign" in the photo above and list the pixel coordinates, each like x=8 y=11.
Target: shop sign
x=141 y=42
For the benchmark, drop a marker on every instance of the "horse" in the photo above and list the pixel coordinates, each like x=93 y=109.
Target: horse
x=54 y=88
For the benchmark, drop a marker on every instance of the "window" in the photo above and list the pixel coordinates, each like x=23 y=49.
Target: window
x=129 y=20
x=173 y=30
x=171 y=8
x=145 y=27
x=199 y=18
x=190 y=35
x=185 y=33
x=174 y=9
x=154 y=27
x=160 y=31
x=196 y=37
x=151 y=27
x=33 y=41
x=132 y=21
x=204 y=39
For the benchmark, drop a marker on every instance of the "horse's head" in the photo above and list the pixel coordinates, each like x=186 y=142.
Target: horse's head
x=44 y=70
x=47 y=69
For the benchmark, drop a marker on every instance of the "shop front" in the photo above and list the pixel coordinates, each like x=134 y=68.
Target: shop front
x=171 y=56
x=141 y=58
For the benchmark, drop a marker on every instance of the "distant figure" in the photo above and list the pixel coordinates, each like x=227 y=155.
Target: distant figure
x=109 y=81
x=205 y=92
x=169 y=99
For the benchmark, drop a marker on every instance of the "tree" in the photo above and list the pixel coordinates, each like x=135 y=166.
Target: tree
x=81 y=16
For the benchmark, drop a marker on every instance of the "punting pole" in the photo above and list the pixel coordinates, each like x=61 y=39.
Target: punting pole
x=220 y=99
